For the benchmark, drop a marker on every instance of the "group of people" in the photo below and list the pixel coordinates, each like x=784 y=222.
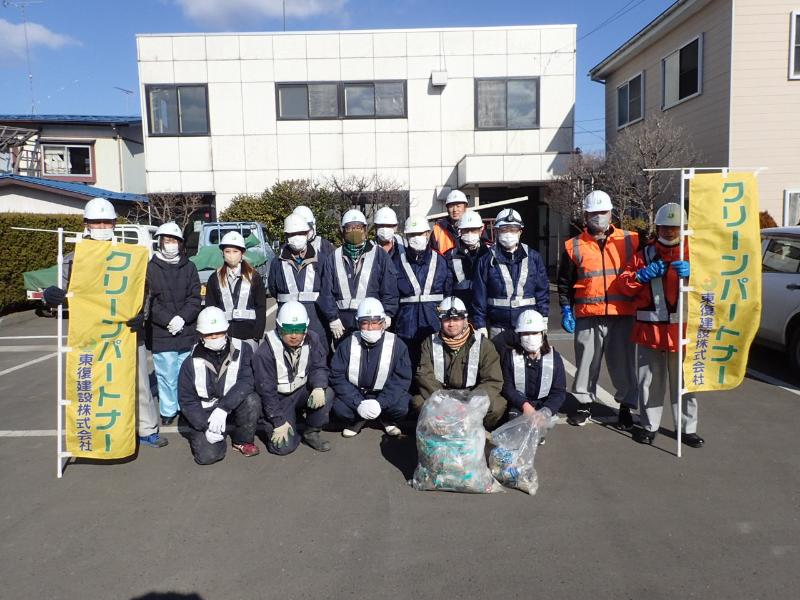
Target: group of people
x=369 y=330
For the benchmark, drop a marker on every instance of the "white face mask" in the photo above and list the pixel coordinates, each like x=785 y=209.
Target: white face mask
x=215 y=344
x=508 y=240
x=598 y=223
x=233 y=262
x=471 y=239
x=418 y=242
x=385 y=234
x=297 y=242
x=101 y=235
x=665 y=242
x=170 y=250
x=531 y=342
x=371 y=336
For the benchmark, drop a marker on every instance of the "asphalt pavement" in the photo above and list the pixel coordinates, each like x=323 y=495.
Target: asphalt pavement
x=611 y=519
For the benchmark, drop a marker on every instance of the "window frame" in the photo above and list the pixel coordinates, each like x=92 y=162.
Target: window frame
x=175 y=86
x=476 y=107
x=787 y=194
x=700 y=72
x=340 y=108
x=641 y=100
x=90 y=178
x=794 y=42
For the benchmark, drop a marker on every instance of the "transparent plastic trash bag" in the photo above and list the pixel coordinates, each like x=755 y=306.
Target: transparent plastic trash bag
x=515 y=444
x=451 y=444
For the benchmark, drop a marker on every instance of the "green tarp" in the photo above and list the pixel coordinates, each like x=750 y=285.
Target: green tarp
x=210 y=257
x=41 y=279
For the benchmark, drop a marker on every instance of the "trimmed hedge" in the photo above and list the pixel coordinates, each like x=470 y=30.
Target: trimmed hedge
x=28 y=250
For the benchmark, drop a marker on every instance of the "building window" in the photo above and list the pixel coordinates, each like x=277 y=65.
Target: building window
x=683 y=73
x=341 y=100
x=66 y=160
x=177 y=110
x=509 y=103
x=791 y=207
x=794 y=47
x=630 y=101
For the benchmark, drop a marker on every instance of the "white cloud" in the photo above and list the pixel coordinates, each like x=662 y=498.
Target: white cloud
x=13 y=36
x=224 y=12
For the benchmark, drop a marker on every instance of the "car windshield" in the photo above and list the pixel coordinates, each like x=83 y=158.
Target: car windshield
x=216 y=234
x=782 y=256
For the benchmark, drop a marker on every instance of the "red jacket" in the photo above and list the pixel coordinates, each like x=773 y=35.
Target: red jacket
x=655 y=327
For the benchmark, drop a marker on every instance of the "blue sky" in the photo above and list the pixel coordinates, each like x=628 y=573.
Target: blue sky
x=81 y=49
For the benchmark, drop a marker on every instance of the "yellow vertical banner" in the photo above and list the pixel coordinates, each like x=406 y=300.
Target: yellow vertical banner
x=107 y=289
x=724 y=306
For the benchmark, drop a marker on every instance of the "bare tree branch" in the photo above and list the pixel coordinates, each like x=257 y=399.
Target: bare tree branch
x=162 y=208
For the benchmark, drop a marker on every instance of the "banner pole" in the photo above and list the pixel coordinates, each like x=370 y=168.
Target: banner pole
x=686 y=174
x=60 y=357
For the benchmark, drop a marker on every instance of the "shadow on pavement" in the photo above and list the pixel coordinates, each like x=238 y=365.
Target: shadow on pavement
x=401 y=452
x=169 y=596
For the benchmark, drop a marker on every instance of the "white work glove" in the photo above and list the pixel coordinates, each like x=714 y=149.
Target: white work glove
x=369 y=409
x=216 y=422
x=482 y=331
x=214 y=438
x=280 y=435
x=337 y=329
x=316 y=399
x=387 y=322
x=175 y=325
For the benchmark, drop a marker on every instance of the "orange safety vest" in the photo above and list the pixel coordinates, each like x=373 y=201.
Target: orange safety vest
x=597 y=290
x=442 y=238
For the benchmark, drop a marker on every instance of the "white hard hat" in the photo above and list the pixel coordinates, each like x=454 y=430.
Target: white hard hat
x=295 y=223
x=292 y=313
x=354 y=216
x=233 y=238
x=508 y=216
x=369 y=308
x=670 y=214
x=416 y=225
x=171 y=229
x=99 y=209
x=597 y=201
x=211 y=320
x=455 y=197
x=306 y=213
x=531 y=321
x=470 y=220
x=385 y=216
x=452 y=307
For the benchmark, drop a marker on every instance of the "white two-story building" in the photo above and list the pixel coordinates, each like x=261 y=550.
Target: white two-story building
x=488 y=110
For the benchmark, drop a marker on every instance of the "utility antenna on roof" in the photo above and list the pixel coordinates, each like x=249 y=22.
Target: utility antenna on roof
x=21 y=5
x=128 y=94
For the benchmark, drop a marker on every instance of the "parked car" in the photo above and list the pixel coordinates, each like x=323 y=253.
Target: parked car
x=780 y=293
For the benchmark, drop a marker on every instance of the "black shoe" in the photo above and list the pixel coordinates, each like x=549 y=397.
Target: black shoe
x=692 y=440
x=580 y=418
x=625 y=418
x=168 y=420
x=643 y=436
x=312 y=438
x=353 y=429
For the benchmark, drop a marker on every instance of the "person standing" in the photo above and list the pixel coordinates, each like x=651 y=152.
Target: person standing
x=99 y=219
x=510 y=279
x=174 y=294
x=356 y=270
x=463 y=258
x=322 y=247
x=594 y=307
x=653 y=279
x=445 y=231
x=216 y=382
x=238 y=289
x=386 y=235
x=292 y=379
x=371 y=374
x=296 y=273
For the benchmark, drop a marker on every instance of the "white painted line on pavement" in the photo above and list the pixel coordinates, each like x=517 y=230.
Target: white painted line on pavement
x=28 y=433
x=27 y=364
x=784 y=385
x=29 y=337
x=557 y=337
x=32 y=348
x=602 y=395
x=272 y=309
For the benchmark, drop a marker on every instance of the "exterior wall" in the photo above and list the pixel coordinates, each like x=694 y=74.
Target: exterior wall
x=248 y=149
x=131 y=152
x=17 y=199
x=765 y=113
x=705 y=117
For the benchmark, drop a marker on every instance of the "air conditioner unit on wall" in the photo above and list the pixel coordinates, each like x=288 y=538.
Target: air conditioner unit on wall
x=439 y=78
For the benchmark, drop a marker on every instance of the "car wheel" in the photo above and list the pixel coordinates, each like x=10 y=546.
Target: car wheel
x=794 y=350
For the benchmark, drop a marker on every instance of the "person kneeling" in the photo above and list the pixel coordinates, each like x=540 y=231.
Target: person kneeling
x=291 y=378
x=459 y=358
x=371 y=374
x=534 y=381
x=214 y=382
